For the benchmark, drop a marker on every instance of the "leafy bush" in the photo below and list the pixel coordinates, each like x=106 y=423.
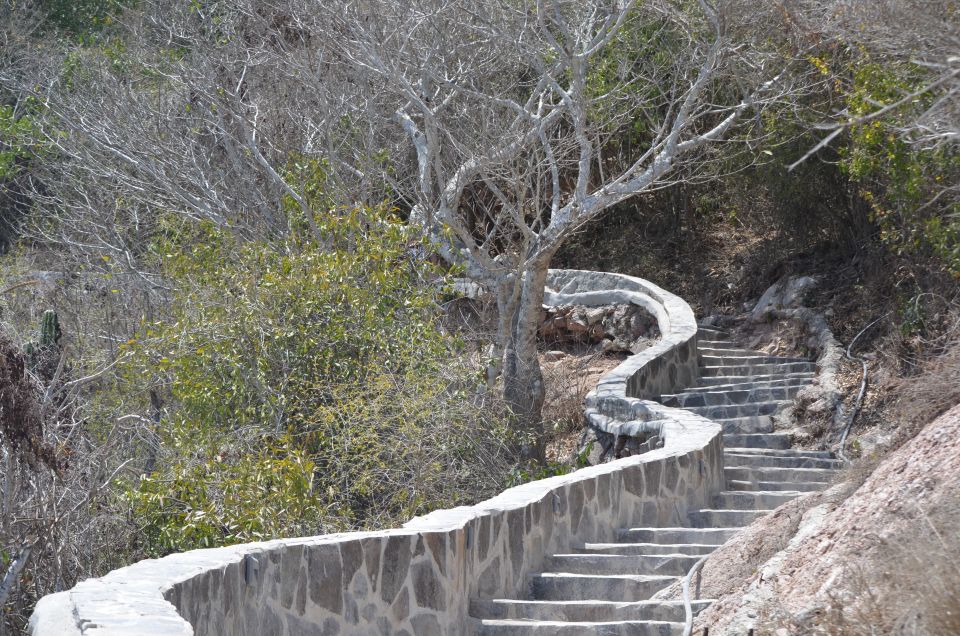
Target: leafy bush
x=309 y=388
x=250 y=316
x=900 y=180
x=215 y=492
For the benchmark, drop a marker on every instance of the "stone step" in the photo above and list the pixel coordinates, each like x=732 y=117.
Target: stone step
x=756 y=474
x=754 y=500
x=707 y=342
x=742 y=441
x=715 y=536
x=599 y=588
x=785 y=452
x=559 y=628
x=792 y=486
x=582 y=611
x=750 y=385
x=719 y=518
x=754 y=359
x=726 y=349
x=604 y=564
x=754 y=370
x=724 y=380
x=738 y=410
x=565 y=586
x=713 y=334
x=729 y=397
x=746 y=425
x=774 y=461
x=649 y=548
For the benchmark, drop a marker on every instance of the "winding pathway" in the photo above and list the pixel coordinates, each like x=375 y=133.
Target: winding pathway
x=603 y=588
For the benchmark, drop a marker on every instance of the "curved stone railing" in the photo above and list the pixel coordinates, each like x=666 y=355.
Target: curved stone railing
x=418 y=580
x=617 y=404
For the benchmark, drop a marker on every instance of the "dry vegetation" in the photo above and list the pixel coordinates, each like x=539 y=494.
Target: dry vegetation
x=568 y=378
x=132 y=132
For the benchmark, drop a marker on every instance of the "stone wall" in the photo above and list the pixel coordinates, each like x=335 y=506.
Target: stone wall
x=418 y=580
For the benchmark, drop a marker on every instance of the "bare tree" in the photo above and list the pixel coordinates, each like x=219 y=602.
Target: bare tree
x=922 y=33
x=509 y=109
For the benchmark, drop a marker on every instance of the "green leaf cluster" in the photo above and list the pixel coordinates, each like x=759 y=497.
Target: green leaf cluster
x=214 y=494
x=83 y=18
x=247 y=313
x=899 y=179
x=19 y=140
x=619 y=78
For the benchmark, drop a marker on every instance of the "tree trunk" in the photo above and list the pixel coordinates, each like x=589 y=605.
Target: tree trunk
x=508 y=297
x=523 y=387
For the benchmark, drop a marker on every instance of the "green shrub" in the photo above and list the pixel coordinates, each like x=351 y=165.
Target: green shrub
x=308 y=388
x=82 y=17
x=216 y=493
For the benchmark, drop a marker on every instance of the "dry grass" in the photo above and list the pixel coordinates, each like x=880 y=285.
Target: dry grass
x=897 y=408
x=922 y=398
x=858 y=471
x=567 y=381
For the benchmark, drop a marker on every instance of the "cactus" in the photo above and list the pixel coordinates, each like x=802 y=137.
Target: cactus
x=50 y=332
x=42 y=355
x=30 y=353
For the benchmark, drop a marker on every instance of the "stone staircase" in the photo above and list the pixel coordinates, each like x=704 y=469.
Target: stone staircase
x=604 y=588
